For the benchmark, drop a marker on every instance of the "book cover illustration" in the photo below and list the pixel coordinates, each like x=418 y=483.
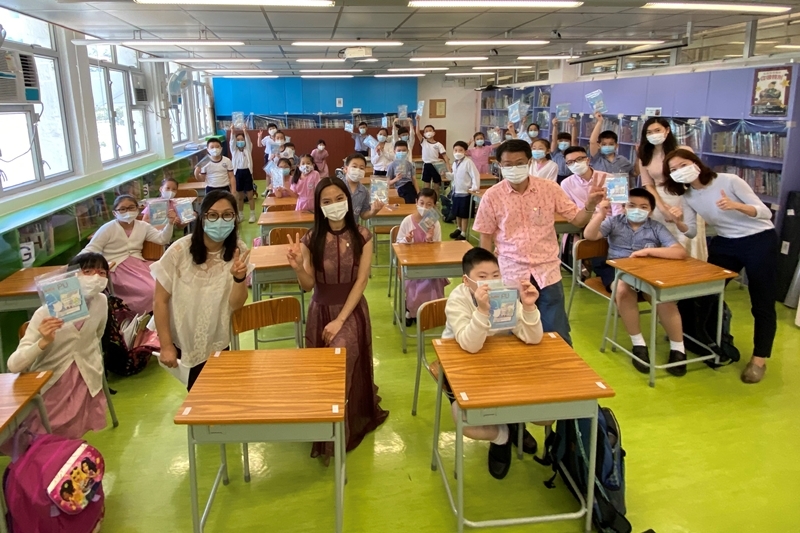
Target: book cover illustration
x=562 y=111
x=379 y=190
x=440 y=167
x=514 y=113
x=495 y=137
x=371 y=141
x=429 y=220
x=276 y=177
x=402 y=111
x=274 y=148
x=158 y=212
x=420 y=108
x=237 y=117
x=596 y=100
x=503 y=308
x=185 y=210
x=348 y=127
x=61 y=293
x=617 y=188
x=384 y=122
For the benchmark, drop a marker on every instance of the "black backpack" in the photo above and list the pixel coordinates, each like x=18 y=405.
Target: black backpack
x=567 y=451
x=691 y=310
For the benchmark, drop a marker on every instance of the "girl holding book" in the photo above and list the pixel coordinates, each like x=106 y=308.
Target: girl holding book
x=383 y=154
x=167 y=191
x=284 y=167
x=304 y=183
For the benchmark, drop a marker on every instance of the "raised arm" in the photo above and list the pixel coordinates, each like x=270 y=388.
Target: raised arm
x=573 y=130
x=594 y=141
x=417 y=130
x=162 y=236
x=554 y=135
x=592 y=229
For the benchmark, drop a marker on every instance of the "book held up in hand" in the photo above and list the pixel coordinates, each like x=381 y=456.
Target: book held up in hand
x=348 y=127
x=503 y=308
x=158 y=209
x=402 y=111
x=617 y=188
x=596 y=100
x=61 y=293
x=371 y=141
x=429 y=220
x=562 y=111
x=514 y=112
x=184 y=208
x=276 y=177
x=379 y=189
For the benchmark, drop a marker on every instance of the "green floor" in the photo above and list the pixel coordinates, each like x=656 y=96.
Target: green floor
x=705 y=453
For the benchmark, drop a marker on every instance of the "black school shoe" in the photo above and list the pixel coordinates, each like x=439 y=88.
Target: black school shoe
x=674 y=357
x=641 y=359
x=455 y=234
x=529 y=444
x=499 y=459
x=460 y=237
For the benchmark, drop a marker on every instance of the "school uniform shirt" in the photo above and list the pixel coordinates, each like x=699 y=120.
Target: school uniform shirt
x=431 y=151
x=116 y=246
x=267 y=143
x=242 y=159
x=407 y=226
x=404 y=167
x=730 y=224
x=382 y=160
x=360 y=200
x=305 y=188
x=469 y=327
x=523 y=227
x=578 y=188
x=216 y=172
x=480 y=156
x=360 y=138
x=465 y=177
x=547 y=170
x=623 y=240
x=620 y=164
x=71 y=345
x=410 y=141
x=557 y=157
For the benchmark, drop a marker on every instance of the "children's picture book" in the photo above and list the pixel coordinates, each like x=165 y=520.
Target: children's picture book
x=595 y=99
x=617 y=188
x=288 y=139
x=61 y=293
x=384 y=122
x=184 y=208
x=494 y=136
x=420 y=108
x=429 y=220
x=562 y=111
x=379 y=189
x=514 y=113
x=371 y=141
x=402 y=111
x=348 y=127
x=276 y=177
x=274 y=148
x=158 y=211
x=503 y=309
x=237 y=118
x=440 y=167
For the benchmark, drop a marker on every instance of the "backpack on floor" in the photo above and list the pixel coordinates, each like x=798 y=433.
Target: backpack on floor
x=447 y=209
x=55 y=487
x=567 y=451
x=120 y=357
x=690 y=312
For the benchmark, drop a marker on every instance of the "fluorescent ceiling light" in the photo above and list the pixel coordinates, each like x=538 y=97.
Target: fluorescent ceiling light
x=331 y=76
x=334 y=70
x=320 y=60
x=471 y=74
x=371 y=44
x=196 y=60
x=503 y=67
x=448 y=58
x=533 y=58
x=493 y=3
x=417 y=69
x=623 y=42
x=156 y=42
x=268 y=3
x=789 y=46
x=498 y=42
x=709 y=6
x=399 y=75
x=249 y=77
x=235 y=70
x=368 y=60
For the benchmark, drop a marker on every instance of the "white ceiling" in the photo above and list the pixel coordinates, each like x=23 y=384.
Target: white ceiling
x=268 y=32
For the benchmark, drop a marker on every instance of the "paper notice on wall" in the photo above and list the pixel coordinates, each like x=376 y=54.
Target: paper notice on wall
x=785 y=247
x=27 y=251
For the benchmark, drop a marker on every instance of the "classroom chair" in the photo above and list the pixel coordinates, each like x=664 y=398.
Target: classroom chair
x=152 y=251
x=392 y=260
x=264 y=314
x=586 y=249
x=24 y=327
x=281 y=235
x=275 y=208
x=430 y=316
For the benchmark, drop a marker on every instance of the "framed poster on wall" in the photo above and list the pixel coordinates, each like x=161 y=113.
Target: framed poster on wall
x=771 y=91
x=437 y=109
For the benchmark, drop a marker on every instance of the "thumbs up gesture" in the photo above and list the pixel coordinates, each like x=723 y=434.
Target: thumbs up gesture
x=725 y=203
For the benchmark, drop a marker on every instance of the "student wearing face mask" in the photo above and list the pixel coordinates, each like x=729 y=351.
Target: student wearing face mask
x=479 y=151
x=402 y=132
x=634 y=234
x=320 y=155
x=517 y=216
x=746 y=239
x=304 y=182
x=290 y=152
x=466 y=179
x=432 y=152
x=359 y=137
x=402 y=174
x=541 y=165
x=333 y=260
x=657 y=141
x=286 y=168
x=383 y=154
x=242 y=159
x=603 y=150
x=419 y=291
x=467 y=313
x=120 y=242
x=561 y=140
x=200 y=281
x=167 y=191
x=354 y=169
x=529 y=135
x=216 y=170
x=73 y=398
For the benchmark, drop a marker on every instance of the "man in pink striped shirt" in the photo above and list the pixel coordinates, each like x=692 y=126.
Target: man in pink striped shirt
x=518 y=217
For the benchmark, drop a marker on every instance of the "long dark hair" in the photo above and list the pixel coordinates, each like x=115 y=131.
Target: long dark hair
x=321 y=226
x=646 y=148
x=297 y=173
x=678 y=189
x=198 y=246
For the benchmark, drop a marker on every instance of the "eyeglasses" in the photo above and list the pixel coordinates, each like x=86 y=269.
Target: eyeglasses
x=227 y=216
x=127 y=210
x=578 y=160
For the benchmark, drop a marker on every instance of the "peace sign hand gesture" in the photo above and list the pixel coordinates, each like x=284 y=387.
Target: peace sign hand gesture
x=295 y=253
x=239 y=266
x=596 y=194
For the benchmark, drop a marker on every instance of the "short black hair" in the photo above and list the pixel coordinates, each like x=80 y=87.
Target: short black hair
x=281 y=132
x=428 y=126
x=513 y=145
x=402 y=129
x=608 y=134
x=322 y=141
x=355 y=156
x=89 y=260
x=400 y=143
x=428 y=193
x=640 y=192
x=213 y=140
x=475 y=136
x=272 y=125
x=362 y=124
x=564 y=135
x=287 y=145
x=462 y=144
x=475 y=257
x=573 y=149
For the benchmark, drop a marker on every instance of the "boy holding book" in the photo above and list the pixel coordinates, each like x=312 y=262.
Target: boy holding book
x=402 y=173
x=561 y=140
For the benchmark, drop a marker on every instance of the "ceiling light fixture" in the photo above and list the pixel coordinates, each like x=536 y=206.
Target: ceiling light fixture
x=494 y=3
x=371 y=44
x=624 y=42
x=267 y=3
x=248 y=77
x=448 y=58
x=417 y=69
x=503 y=67
x=534 y=58
x=715 y=6
x=368 y=60
x=321 y=60
x=399 y=75
x=334 y=70
x=235 y=70
x=789 y=46
x=325 y=76
x=498 y=42
x=156 y=42
x=471 y=74
x=197 y=60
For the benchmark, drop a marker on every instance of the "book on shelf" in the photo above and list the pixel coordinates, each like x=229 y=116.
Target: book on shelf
x=543 y=119
x=762 y=181
x=61 y=293
x=41 y=235
x=759 y=144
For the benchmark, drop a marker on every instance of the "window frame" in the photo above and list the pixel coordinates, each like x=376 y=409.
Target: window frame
x=28 y=110
x=183 y=110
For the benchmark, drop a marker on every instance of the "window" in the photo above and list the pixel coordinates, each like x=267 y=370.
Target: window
x=101 y=52
x=122 y=121
x=202 y=107
x=127 y=57
x=17 y=165
x=139 y=131
x=179 y=127
x=26 y=30
x=51 y=128
x=102 y=113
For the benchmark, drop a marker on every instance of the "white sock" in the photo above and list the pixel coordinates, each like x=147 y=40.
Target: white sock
x=677 y=345
x=502 y=435
x=638 y=340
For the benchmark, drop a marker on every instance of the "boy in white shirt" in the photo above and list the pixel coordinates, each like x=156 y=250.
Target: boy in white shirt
x=466 y=179
x=217 y=170
x=432 y=152
x=467 y=311
x=242 y=158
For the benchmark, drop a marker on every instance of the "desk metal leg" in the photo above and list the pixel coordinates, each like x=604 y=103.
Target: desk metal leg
x=224 y=464
x=720 y=312
x=338 y=453
x=611 y=308
x=110 y=403
x=39 y=401
x=469 y=218
x=246 y=461
x=460 y=470
x=437 y=415
x=592 y=467
x=401 y=314
x=196 y=527
x=652 y=347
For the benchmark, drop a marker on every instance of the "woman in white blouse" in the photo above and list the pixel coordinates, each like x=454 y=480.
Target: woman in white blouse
x=200 y=281
x=121 y=241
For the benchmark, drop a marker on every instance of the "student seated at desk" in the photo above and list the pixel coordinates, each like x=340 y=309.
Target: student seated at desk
x=286 y=168
x=334 y=260
x=467 y=311
x=419 y=291
x=73 y=397
x=320 y=155
x=402 y=173
x=355 y=167
x=541 y=165
x=635 y=234
x=217 y=170
x=303 y=183
x=466 y=179
x=168 y=190
x=120 y=242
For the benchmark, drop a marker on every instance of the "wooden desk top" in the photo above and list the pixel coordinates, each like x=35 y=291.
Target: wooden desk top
x=273 y=256
x=431 y=253
x=280 y=386
x=286 y=218
x=192 y=185
x=668 y=273
x=488 y=176
x=509 y=372
x=399 y=210
x=271 y=201
x=21 y=283
x=16 y=390
x=479 y=193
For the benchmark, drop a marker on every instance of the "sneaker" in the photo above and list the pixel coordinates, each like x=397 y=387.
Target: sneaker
x=529 y=444
x=500 y=459
x=252 y=217
x=455 y=234
x=674 y=357
x=241 y=217
x=460 y=237
x=753 y=373
x=641 y=359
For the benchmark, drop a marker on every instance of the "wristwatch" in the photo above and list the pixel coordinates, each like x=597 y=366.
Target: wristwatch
x=239 y=280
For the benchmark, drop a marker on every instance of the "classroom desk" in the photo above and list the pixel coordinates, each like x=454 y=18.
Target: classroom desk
x=487 y=180
x=390 y=216
x=509 y=381
x=271 y=201
x=18 y=293
x=424 y=260
x=292 y=396
x=199 y=186
x=666 y=280
x=284 y=219
x=19 y=395
x=271 y=266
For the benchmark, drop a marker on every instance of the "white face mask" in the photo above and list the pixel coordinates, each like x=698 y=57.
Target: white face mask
x=305 y=169
x=271 y=131
x=493 y=284
x=335 y=212
x=92 y=285
x=214 y=152
x=167 y=195
x=321 y=147
x=458 y=155
x=362 y=131
x=289 y=152
x=127 y=217
x=355 y=174
x=381 y=138
x=656 y=138
x=578 y=168
x=422 y=210
x=685 y=175
x=429 y=134
x=515 y=175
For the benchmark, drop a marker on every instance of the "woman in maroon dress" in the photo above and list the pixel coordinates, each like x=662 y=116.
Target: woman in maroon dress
x=334 y=259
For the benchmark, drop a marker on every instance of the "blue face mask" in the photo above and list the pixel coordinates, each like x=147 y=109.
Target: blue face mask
x=479 y=142
x=285 y=171
x=240 y=144
x=400 y=155
x=608 y=150
x=538 y=154
x=533 y=133
x=218 y=230
x=636 y=215
x=404 y=138
x=563 y=145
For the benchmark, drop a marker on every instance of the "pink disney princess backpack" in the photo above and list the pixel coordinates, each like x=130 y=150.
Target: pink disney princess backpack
x=55 y=487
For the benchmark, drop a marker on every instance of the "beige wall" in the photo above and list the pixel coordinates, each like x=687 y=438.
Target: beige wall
x=462 y=105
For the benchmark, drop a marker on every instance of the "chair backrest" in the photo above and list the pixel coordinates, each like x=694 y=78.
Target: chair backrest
x=186 y=193
x=266 y=313
x=393 y=234
x=22 y=329
x=152 y=251
x=431 y=315
x=281 y=235
x=274 y=208
x=586 y=249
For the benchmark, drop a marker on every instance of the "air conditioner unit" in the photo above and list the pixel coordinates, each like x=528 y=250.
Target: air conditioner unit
x=139 y=85
x=19 y=82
